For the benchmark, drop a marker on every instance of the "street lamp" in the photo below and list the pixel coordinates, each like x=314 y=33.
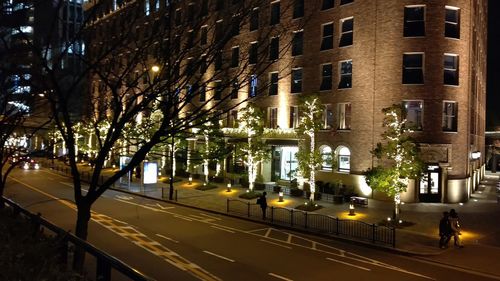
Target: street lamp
x=155 y=68
x=228 y=187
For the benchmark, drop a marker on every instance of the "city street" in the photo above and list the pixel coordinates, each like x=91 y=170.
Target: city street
x=171 y=242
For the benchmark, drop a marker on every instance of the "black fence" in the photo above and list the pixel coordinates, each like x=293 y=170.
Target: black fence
x=104 y=263
x=316 y=222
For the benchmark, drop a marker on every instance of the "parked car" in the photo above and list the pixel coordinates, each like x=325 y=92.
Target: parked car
x=29 y=164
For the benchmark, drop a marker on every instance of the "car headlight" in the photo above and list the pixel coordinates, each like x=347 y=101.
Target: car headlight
x=26 y=166
x=37 y=166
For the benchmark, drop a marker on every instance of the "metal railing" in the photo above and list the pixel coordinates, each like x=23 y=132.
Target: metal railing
x=316 y=222
x=104 y=262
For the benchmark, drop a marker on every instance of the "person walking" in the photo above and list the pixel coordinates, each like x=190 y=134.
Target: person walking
x=444 y=231
x=455 y=228
x=262 y=201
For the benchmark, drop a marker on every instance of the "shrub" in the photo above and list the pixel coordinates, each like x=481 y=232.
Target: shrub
x=308 y=207
x=250 y=195
x=218 y=179
x=206 y=187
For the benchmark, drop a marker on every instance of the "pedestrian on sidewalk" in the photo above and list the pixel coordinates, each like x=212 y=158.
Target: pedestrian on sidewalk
x=455 y=228
x=262 y=201
x=444 y=230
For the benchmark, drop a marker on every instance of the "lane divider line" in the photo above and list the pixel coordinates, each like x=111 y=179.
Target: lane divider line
x=276 y=244
x=167 y=238
x=223 y=229
x=219 y=256
x=349 y=264
x=279 y=276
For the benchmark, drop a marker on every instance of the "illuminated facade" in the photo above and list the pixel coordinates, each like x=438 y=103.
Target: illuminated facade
x=361 y=56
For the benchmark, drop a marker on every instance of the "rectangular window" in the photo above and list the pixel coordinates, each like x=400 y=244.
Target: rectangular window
x=451 y=69
x=273 y=83
x=217 y=90
x=344 y=116
x=298 y=9
x=203 y=63
x=327 y=117
x=190 y=12
x=296 y=80
x=190 y=39
x=273 y=117
x=234 y=90
x=347 y=32
x=298 y=43
x=452 y=22
x=204 y=35
x=203 y=93
x=343 y=2
x=178 y=17
x=157 y=5
x=413 y=114
x=413 y=70
x=294 y=117
x=253 y=53
x=327 y=4
x=450 y=113
x=254 y=19
x=414 y=21
x=235 y=26
x=345 y=74
x=274 y=48
x=233 y=119
x=218 y=60
x=275 y=13
x=204 y=8
x=219 y=30
x=252 y=86
x=235 y=56
x=327 y=36
x=147 y=9
x=219 y=5
x=326 y=77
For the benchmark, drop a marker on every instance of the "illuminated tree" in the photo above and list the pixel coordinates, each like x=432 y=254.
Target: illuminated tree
x=398 y=155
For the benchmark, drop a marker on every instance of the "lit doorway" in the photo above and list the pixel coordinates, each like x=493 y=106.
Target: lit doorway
x=430 y=185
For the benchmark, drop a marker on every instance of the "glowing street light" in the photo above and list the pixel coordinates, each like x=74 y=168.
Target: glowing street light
x=228 y=187
x=155 y=68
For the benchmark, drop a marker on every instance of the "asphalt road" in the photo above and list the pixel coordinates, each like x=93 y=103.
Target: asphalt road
x=171 y=242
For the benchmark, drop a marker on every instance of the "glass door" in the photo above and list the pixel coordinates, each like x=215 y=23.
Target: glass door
x=430 y=185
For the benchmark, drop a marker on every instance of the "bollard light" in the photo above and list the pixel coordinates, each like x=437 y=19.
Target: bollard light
x=280 y=196
x=351 y=210
x=228 y=187
x=190 y=180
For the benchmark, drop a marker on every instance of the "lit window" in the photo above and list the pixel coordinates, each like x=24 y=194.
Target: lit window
x=327 y=38
x=275 y=13
x=344 y=159
x=273 y=117
x=413 y=71
x=326 y=77
x=326 y=158
x=413 y=114
x=414 y=21
x=252 y=86
x=298 y=43
x=147 y=9
x=157 y=5
x=450 y=112
x=347 y=32
x=298 y=9
x=296 y=80
x=451 y=69
x=274 y=48
x=327 y=117
x=452 y=22
x=344 y=116
x=273 y=83
x=294 y=117
x=327 y=4
x=345 y=74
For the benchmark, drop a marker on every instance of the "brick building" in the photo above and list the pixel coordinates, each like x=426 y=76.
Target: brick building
x=359 y=56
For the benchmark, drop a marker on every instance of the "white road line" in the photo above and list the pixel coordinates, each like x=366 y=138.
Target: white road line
x=167 y=238
x=349 y=264
x=197 y=217
x=182 y=217
x=268 y=232
x=275 y=244
x=223 y=229
x=219 y=256
x=279 y=276
x=212 y=217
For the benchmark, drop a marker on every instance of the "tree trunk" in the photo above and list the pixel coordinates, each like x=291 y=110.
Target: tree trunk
x=397 y=211
x=2 y=188
x=82 y=224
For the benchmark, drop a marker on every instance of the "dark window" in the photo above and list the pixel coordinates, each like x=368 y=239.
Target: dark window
x=296 y=80
x=252 y=86
x=219 y=30
x=190 y=13
x=273 y=83
x=327 y=39
x=275 y=13
x=235 y=56
x=203 y=64
x=234 y=90
x=298 y=9
x=451 y=70
x=326 y=77
x=327 y=4
x=413 y=69
x=343 y=2
x=204 y=35
x=452 y=23
x=253 y=53
x=235 y=26
x=218 y=60
x=219 y=5
x=190 y=39
x=217 y=90
x=414 y=21
x=204 y=8
x=347 y=32
x=178 y=17
x=345 y=74
x=298 y=43
x=254 y=19
x=450 y=113
x=203 y=93
x=274 y=48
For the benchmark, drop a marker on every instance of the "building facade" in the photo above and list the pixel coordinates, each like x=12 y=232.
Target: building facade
x=358 y=56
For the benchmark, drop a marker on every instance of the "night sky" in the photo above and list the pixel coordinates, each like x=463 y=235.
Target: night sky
x=493 y=85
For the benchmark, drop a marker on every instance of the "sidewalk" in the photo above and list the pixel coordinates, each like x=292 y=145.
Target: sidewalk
x=480 y=218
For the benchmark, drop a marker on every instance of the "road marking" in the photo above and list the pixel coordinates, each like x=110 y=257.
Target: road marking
x=346 y=263
x=223 y=229
x=454 y=267
x=182 y=217
x=219 y=256
x=212 y=217
x=123 y=197
x=167 y=238
x=275 y=244
x=279 y=276
x=71 y=185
